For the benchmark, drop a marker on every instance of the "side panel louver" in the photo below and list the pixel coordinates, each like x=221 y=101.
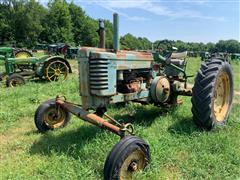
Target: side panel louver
x=101 y=80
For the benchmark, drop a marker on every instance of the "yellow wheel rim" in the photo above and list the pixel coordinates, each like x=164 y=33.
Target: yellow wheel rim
x=16 y=82
x=133 y=163
x=221 y=96
x=54 y=118
x=56 y=70
x=22 y=55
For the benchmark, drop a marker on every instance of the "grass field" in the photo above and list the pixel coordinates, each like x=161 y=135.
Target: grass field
x=179 y=149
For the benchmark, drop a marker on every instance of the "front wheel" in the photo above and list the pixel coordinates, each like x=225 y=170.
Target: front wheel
x=49 y=116
x=127 y=157
x=212 y=94
x=15 y=80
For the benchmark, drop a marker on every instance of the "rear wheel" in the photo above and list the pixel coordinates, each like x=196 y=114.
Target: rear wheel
x=127 y=157
x=22 y=54
x=15 y=80
x=56 y=70
x=212 y=94
x=49 y=116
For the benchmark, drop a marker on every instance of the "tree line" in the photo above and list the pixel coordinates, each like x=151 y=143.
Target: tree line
x=25 y=23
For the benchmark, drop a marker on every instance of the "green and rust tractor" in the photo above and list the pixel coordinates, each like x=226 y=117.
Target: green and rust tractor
x=109 y=76
x=51 y=68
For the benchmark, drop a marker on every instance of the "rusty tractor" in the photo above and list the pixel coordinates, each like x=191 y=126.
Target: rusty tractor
x=109 y=76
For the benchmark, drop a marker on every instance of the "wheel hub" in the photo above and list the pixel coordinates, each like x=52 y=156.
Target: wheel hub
x=133 y=166
x=57 y=72
x=133 y=163
x=54 y=118
x=221 y=96
x=16 y=82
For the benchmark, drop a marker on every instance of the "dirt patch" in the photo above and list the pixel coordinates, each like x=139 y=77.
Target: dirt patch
x=15 y=138
x=237 y=93
x=236 y=100
x=172 y=171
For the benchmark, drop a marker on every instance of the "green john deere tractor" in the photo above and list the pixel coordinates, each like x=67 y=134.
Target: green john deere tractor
x=10 y=52
x=51 y=68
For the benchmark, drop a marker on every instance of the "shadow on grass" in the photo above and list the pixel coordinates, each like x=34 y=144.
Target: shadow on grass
x=39 y=80
x=144 y=115
x=68 y=142
x=71 y=142
x=184 y=126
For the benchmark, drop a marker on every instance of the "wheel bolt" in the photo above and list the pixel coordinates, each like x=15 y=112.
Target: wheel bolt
x=133 y=166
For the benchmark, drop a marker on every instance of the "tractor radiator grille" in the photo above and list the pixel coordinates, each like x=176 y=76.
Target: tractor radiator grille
x=98 y=71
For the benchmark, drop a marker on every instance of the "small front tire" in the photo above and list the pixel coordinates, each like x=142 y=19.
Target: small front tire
x=15 y=80
x=128 y=156
x=49 y=116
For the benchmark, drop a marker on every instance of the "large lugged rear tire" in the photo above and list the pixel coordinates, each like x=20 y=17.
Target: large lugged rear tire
x=48 y=116
x=128 y=156
x=22 y=53
x=212 y=94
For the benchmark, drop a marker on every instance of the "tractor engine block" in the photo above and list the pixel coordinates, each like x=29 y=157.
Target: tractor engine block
x=130 y=81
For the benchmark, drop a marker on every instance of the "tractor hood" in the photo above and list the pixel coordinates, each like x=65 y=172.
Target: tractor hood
x=99 y=53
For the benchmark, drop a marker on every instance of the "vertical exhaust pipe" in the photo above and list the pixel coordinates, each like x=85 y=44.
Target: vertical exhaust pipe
x=101 y=33
x=116 y=32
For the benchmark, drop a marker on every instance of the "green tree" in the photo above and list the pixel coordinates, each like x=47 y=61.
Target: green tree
x=109 y=34
x=5 y=27
x=211 y=47
x=35 y=15
x=231 y=46
x=78 y=20
x=182 y=46
x=131 y=42
x=58 y=26
x=89 y=34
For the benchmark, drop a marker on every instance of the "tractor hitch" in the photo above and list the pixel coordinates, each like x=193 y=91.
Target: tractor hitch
x=118 y=129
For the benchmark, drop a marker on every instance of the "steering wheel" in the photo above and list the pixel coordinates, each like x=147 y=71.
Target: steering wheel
x=169 y=49
x=167 y=43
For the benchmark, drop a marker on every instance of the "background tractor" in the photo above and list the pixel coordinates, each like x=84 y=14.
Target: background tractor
x=57 y=49
x=51 y=68
x=10 y=52
x=109 y=76
x=71 y=52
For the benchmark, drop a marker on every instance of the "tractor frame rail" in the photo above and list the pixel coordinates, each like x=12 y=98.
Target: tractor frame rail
x=94 y=119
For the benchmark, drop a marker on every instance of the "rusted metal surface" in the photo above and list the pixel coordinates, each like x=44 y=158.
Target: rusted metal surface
x=101 y=33
x=116 y=44
x=160 y=89
x=87 y=116
x=134 y=86
x=109 y=76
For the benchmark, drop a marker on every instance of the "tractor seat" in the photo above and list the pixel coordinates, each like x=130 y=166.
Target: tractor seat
x=178 y=62
x=180 y=55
